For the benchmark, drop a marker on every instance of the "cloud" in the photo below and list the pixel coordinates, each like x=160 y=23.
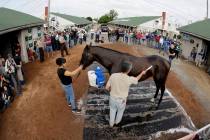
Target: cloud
x=181 y=10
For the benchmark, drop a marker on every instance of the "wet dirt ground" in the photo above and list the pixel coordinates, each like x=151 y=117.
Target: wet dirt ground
x=140 y=119
x=42 y=112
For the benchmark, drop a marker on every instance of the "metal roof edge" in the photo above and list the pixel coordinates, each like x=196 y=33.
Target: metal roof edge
x=195 y=35
x=20 y=27
x=59 y=15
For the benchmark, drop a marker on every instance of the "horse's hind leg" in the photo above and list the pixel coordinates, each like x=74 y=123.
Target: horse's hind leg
x=157 y=90
x=161 y=97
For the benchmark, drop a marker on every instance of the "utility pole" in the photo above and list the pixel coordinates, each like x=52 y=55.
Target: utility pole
x=207 y=10
x=48 y=15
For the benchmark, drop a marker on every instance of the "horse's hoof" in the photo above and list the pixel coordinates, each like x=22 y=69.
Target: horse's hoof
x=148 y=116
x=156 y=107
x=151 y=108
x=152 y=100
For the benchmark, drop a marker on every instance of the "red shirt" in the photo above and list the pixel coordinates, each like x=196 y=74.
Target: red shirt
x=157 y=38
x=139 y=35
x=48 y=41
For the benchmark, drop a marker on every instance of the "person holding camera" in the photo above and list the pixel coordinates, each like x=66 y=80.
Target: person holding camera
x=65 y=77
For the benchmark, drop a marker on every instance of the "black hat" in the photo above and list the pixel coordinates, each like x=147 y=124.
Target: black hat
x=60 y=61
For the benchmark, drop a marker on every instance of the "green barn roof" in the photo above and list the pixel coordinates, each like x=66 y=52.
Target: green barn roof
x=133 y=21
x=11 y=20
x=200 y=29
x=74 y=19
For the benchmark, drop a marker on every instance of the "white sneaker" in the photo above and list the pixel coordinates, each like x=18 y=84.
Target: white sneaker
x=76 y=111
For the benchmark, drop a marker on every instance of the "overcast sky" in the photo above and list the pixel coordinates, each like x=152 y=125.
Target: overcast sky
x=180 y=11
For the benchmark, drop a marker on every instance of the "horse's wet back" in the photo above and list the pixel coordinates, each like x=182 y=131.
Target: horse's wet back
x=140 y=120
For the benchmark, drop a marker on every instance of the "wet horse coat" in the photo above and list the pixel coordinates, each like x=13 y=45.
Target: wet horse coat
x=112 y=60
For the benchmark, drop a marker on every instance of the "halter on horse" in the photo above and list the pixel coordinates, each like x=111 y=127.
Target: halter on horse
x=112 y=60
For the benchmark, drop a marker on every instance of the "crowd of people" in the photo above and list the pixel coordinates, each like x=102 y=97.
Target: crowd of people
x=56 y=41
x=11 y=77
x=11 y=71
x=163 y=43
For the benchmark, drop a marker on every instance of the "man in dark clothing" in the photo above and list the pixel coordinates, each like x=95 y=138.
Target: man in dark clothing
x=117 y=35
x=65 y=77
x=18 y=49
x=63 y=45
x=53 y=41
x=171 y=53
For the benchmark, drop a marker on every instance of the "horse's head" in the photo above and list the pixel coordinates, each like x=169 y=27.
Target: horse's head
x=87 y=57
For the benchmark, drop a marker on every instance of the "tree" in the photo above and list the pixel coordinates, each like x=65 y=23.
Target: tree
x=108 y=17
x=104 y=19
x=113 y=14
x=89 y=18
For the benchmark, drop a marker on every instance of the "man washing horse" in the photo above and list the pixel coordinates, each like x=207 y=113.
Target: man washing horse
x=112 y=61
x=119 y=84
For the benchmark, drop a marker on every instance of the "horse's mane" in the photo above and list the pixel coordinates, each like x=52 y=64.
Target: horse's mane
x=108 y=49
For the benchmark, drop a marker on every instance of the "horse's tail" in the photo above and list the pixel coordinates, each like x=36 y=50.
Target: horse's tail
x=161 y=69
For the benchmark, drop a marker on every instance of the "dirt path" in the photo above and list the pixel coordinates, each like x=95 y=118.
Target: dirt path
x=42 y=112
x=190 y=85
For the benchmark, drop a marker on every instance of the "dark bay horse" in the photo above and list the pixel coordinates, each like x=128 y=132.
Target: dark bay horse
x=111 y=60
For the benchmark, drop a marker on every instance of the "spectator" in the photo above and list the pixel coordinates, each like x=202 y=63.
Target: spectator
x=166 y=45
x=117 y=35
x=139 y=37
x=85 y=37
x=53 y=42
x=171 y=53
x=40 y=47
x=48 y=46
x=200 y=58
x=18 y=49
x=160 y=46
x=75 y=36
x=177 y=49
x=67 y=37
x=2 y=64
x=119 y=84
x=65 y=77
x=63 y=44
x=10 y=69
x=109 y=35
x=92 y=34
x=5 y=91
x=126 y=36
x=57 y=41
x=81 y=37
x=31 y=56
x=97 y=36
x=157 y=40
x=19 y=71
x=193 y=53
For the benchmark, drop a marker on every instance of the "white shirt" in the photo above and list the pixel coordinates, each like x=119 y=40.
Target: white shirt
x=161 y=40
x=92 y=31
x=10 y=66
x=81 y=35
x=120 y=84
x=61 y=39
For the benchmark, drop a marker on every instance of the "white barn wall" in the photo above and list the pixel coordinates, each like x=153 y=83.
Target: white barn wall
x=63 y=23
x=187 y=46
x=24 y=43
